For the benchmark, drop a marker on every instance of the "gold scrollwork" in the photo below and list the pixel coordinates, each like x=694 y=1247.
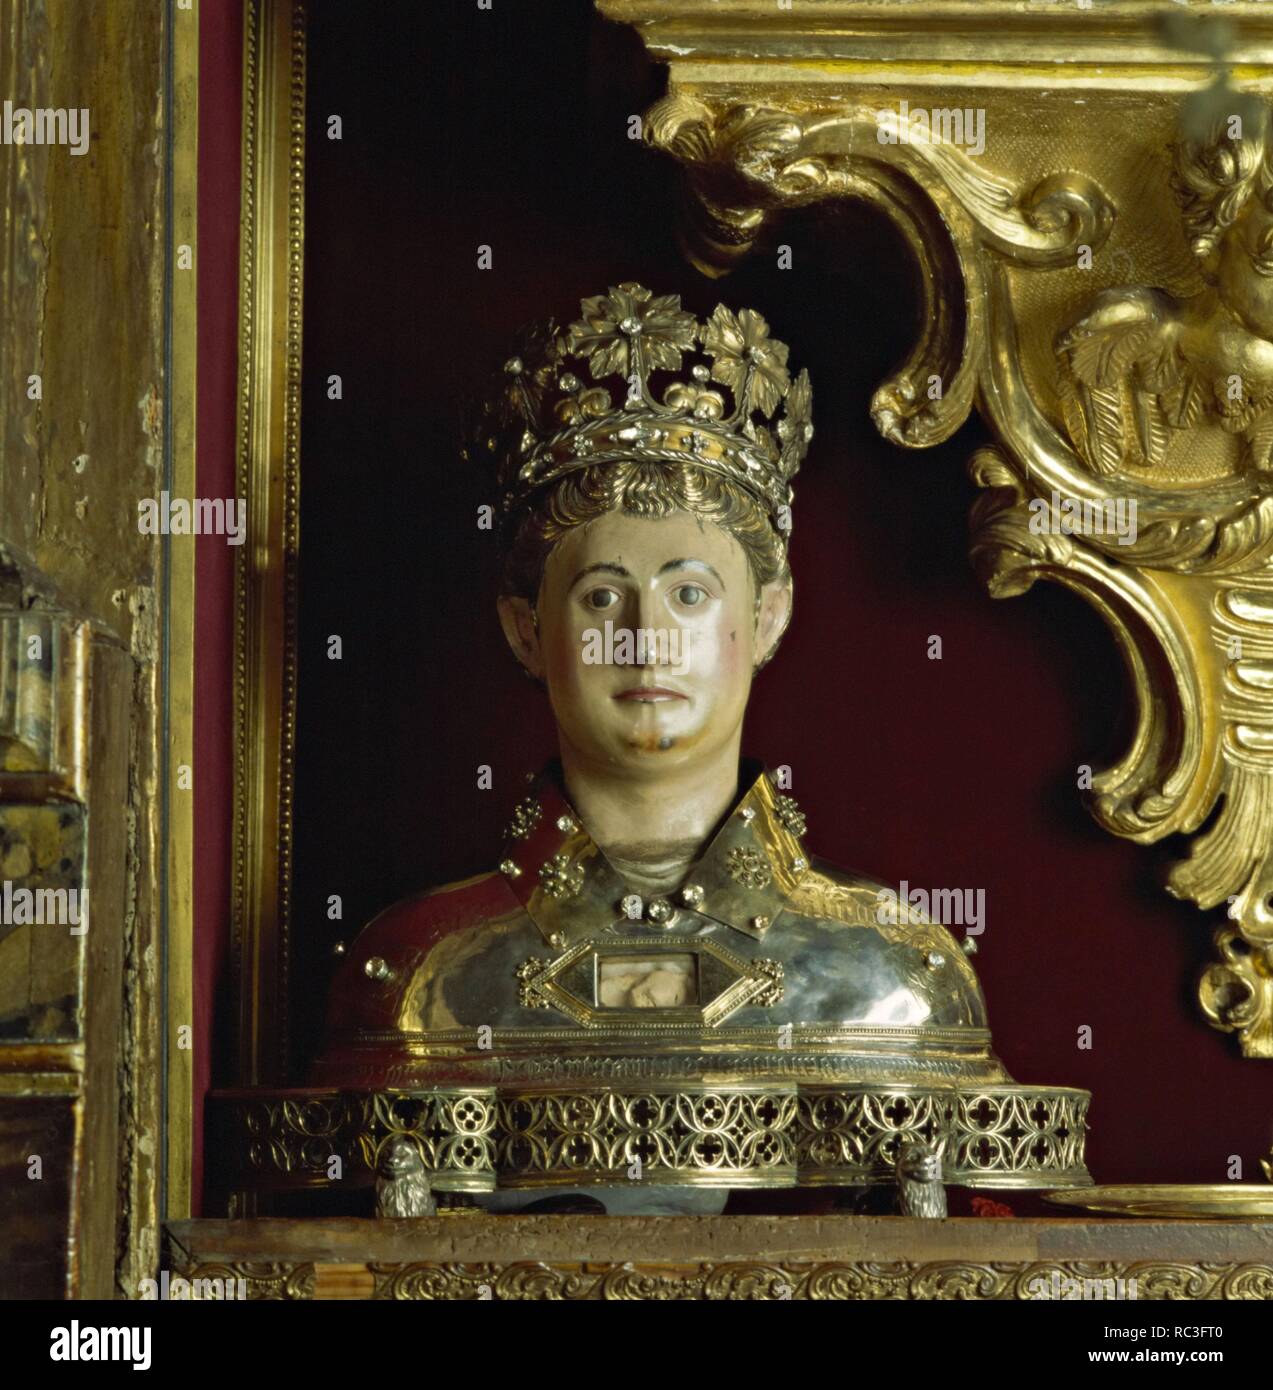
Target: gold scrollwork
x=1135 y=396
x=726 y=1281
x=263 y=1281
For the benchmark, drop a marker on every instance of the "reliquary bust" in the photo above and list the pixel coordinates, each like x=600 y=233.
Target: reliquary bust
x=659 y=993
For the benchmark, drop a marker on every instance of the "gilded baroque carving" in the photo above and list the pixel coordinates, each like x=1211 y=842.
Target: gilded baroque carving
x=264 y=1281
x=1161 y=412
x=525 y=1281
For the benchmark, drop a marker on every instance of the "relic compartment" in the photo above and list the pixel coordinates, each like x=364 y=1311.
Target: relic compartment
x=681 y=961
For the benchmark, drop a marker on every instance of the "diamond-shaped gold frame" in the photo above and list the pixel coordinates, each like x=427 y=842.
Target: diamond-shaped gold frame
x=754 y=981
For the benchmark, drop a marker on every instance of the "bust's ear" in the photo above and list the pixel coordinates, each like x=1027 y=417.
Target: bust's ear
x=773 y=617
x=517 y=618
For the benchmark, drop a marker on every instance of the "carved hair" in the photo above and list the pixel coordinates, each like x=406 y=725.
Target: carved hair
x=644 y=489
x=1215 y=178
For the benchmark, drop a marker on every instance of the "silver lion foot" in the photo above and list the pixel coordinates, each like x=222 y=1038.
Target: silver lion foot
x=919 y=1186
x=402 y=1184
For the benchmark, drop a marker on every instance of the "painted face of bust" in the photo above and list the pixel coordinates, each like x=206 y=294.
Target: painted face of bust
x=646 y=636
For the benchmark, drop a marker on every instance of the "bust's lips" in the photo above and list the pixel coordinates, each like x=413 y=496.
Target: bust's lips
x=649 y=694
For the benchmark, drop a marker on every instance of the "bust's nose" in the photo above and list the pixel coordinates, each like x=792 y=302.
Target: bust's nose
x=645 y=616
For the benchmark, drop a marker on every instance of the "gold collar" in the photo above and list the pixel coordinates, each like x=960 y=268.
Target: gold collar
x=571 y=890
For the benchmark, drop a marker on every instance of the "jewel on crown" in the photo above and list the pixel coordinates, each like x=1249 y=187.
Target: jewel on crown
x=637 y=377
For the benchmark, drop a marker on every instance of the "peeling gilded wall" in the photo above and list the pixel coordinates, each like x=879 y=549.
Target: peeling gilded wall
x=82 y=274
x=83 y=304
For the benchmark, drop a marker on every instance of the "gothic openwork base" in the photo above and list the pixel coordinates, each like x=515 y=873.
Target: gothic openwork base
x=754 y=1135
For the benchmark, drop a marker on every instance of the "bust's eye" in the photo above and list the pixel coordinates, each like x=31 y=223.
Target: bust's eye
x=691 y=595
x=601 y=598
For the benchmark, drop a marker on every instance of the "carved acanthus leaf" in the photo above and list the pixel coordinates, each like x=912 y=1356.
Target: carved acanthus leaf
x=1143 y=375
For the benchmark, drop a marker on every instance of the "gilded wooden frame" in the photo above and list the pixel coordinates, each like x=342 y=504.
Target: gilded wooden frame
x=179 y=611
x=268 y=476
x=750 y=124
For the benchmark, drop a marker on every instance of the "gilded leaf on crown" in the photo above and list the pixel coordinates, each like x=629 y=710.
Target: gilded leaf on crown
x=546 y=419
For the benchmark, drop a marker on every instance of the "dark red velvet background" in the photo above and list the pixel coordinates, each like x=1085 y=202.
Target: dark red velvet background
x=508 y=128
